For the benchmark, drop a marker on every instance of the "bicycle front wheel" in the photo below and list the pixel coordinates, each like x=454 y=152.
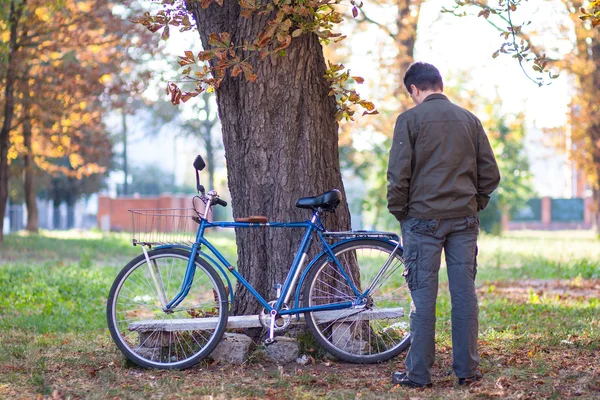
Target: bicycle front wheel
x=377 y=330
x=152 y=337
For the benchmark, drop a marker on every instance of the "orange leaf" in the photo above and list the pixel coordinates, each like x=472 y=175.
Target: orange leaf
x=188 y=95
x=236 y=70
x=205 y=55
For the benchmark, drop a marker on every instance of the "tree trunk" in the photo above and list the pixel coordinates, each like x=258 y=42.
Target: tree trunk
x=28 y=168
x=280 y=138
x=9 y=107
x=405 y=39
x=596 y=210
x=56 y=216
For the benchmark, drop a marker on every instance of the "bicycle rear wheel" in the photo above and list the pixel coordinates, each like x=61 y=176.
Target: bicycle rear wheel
x=379 y=330
x=153 y=338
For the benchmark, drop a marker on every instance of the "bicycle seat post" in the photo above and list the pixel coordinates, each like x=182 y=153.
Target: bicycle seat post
x=277 y=287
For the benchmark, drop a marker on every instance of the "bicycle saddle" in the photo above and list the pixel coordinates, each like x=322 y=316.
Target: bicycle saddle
x=327 y=201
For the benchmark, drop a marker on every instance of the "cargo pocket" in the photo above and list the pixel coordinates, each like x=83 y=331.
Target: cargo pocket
x=472 y=221
x=425 y=226
x=475 y=262
x=410 y=269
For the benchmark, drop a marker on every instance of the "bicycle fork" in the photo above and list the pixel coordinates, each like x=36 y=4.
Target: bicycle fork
x=157 y=279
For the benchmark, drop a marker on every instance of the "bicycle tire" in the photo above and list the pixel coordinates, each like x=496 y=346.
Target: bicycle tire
x=355 y=338
x=152 y=338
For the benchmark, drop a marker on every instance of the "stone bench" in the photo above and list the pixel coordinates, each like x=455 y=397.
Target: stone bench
x=235 y=348
x=252 y=321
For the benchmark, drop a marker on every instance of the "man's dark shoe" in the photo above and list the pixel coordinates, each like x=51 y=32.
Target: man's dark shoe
x=471 y=379
x=400 y=378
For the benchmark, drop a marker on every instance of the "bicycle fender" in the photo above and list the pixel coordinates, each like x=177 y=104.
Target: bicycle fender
x=211 y=261
x=318 y=256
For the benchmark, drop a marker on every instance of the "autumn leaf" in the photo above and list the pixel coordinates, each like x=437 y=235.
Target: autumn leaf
x=222 y=40
x=248 y=72
x=205 y=55
x=187 y=59
x=370 y=113
x=236 y=70
x=165 y=35
x=188 y=95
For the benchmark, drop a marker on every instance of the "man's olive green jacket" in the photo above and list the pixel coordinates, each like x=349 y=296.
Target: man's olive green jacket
x=441 y=163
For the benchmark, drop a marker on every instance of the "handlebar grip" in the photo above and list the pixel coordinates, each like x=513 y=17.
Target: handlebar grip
x=221 y=202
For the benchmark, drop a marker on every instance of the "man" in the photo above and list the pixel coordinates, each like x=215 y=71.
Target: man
x=441 y=173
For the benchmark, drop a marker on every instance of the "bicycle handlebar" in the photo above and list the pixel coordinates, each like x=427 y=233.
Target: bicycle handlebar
x=220 y=202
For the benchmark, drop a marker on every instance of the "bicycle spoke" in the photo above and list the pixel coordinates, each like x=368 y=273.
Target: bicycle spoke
x=375 y=335
x=136 y=305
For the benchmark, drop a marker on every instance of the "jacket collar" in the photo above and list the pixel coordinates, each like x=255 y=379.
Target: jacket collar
x=436 y=96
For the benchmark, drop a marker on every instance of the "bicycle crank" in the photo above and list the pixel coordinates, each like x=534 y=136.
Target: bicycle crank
x=273 y=321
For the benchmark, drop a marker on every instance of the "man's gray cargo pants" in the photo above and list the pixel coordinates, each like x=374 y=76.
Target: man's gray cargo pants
x=423 y=241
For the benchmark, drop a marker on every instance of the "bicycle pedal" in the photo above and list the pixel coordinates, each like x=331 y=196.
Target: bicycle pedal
x=269 y=341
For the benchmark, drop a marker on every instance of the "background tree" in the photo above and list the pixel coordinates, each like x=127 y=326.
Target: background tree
x=58 y=77
x=583 y=63
x=507 y=134
x=152 y=180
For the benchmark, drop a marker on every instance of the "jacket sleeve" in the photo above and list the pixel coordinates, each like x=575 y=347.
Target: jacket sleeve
x=488 y=175
x=399 y=169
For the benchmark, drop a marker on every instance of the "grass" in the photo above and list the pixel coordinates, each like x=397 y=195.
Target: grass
x=539 y=328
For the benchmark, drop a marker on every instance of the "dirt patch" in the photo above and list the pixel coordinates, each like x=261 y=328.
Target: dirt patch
x=562 y=289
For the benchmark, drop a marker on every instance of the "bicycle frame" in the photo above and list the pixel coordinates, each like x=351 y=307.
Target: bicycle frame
x=313 y=227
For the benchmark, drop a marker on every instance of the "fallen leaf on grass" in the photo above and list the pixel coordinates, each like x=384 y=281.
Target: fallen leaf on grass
x=93 y=371
x=502 y=383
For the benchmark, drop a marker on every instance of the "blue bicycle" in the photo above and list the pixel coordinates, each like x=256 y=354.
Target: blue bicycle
x=168 y=307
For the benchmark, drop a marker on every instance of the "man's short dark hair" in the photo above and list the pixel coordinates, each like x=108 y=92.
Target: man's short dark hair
x=424 y=76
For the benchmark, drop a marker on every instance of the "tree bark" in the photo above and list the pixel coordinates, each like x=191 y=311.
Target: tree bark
x=280 y=138
x=29 y=170
x=16 y=11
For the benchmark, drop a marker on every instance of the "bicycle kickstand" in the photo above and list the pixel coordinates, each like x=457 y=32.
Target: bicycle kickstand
x=271 y=339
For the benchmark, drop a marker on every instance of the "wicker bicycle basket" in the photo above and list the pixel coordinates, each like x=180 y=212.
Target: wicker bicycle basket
x=164 y=226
